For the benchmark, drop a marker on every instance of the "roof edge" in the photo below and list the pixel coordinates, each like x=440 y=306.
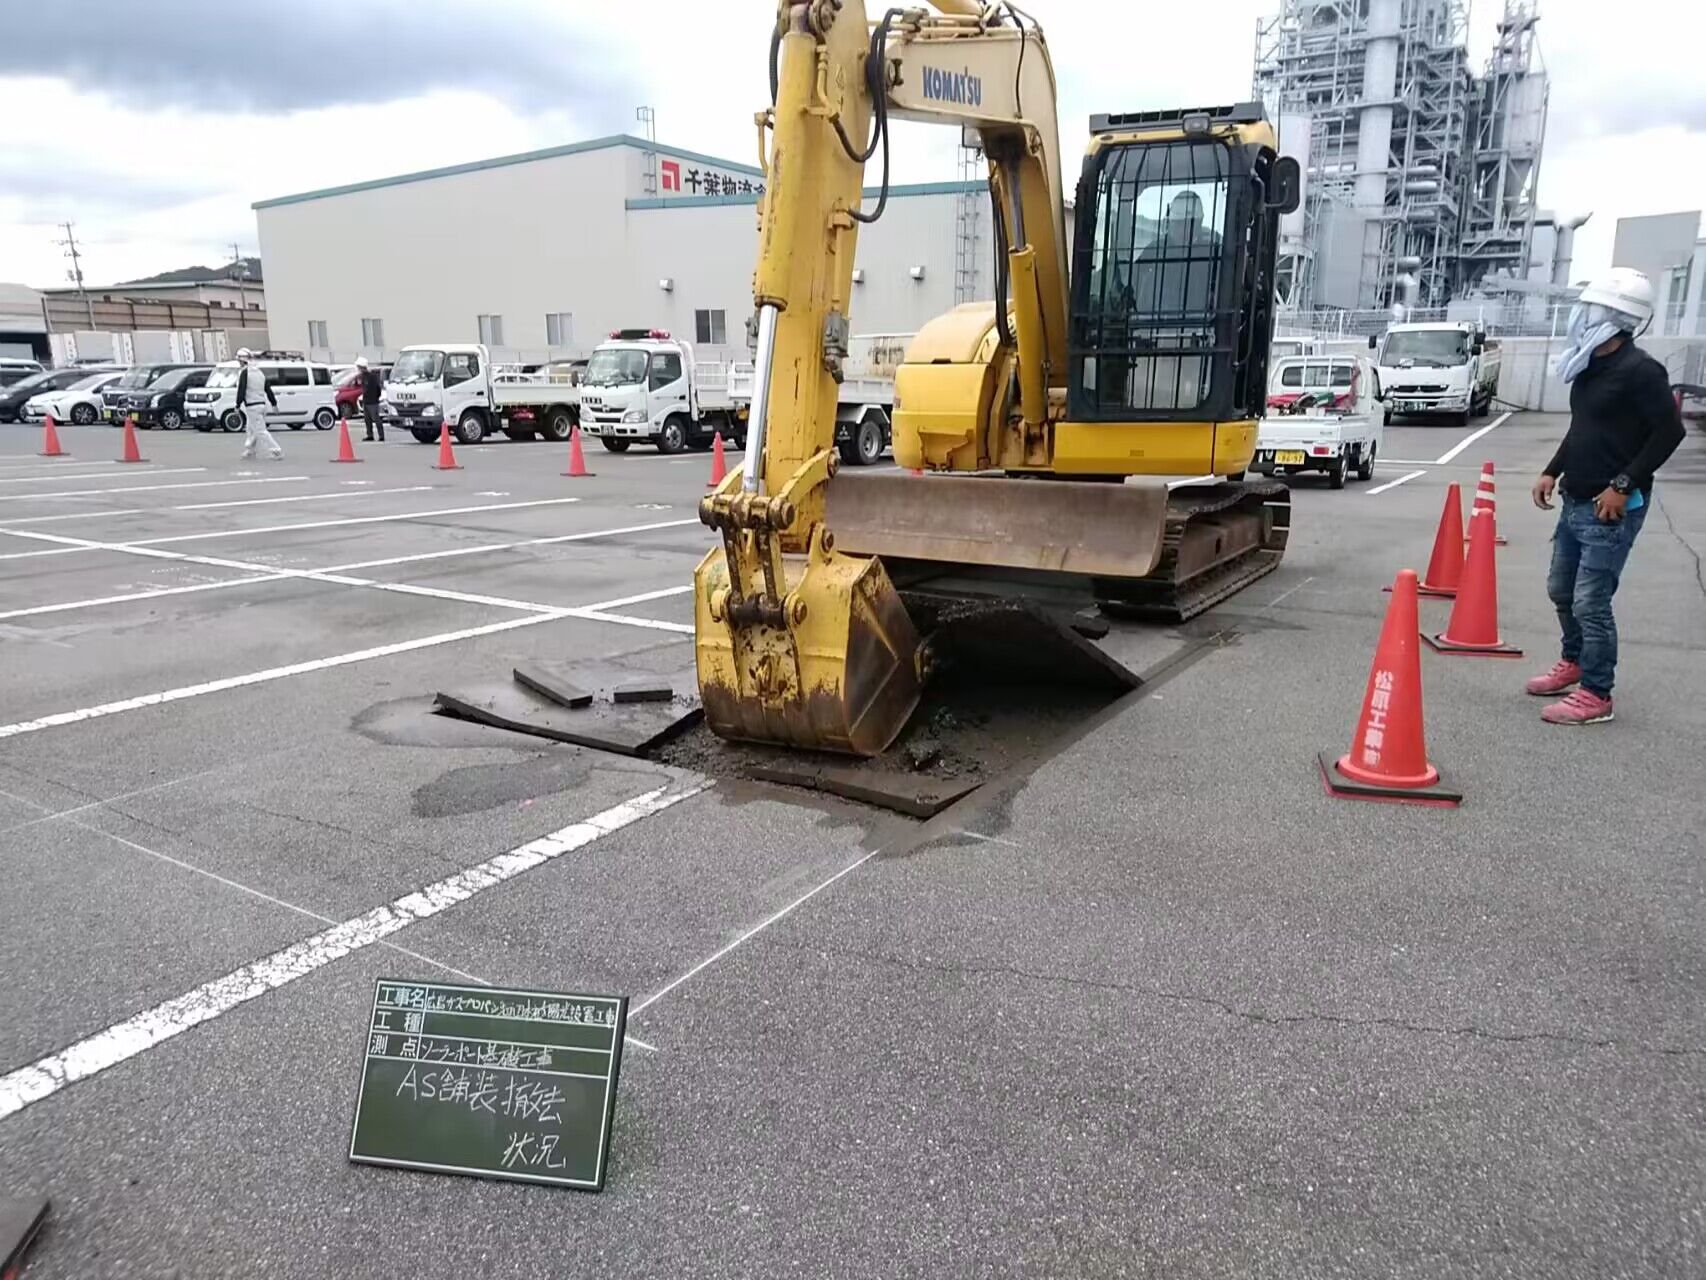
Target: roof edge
x=870 y=193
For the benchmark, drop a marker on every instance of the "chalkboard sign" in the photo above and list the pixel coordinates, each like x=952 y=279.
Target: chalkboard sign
x=490 y=1083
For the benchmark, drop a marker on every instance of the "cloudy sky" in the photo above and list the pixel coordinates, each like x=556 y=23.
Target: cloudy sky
x=153 y=125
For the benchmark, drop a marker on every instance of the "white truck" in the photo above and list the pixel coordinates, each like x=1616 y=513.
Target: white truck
x=645 y=386
x=864 y=406
x=1441 y=367
x=455 y=382
x=1324 y=414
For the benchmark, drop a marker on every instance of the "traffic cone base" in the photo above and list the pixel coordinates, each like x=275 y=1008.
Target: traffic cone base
x=1439 y=644
x=346 y=450
x=1437 y=794
x=446 y=454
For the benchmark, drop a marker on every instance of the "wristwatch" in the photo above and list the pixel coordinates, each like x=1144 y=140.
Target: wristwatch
x=1622 y=484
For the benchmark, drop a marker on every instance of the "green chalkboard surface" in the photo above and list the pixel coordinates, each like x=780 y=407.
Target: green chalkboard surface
x=490 y=1083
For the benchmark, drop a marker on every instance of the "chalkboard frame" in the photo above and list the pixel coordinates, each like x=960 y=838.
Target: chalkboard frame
x=607 y=1121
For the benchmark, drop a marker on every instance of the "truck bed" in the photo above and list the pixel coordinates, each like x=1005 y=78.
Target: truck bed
x=528 y=390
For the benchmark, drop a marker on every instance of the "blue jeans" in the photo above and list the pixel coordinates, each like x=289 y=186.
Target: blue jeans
x=1587 y=560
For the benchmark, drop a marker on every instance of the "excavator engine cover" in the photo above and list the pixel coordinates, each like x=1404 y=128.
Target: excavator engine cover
x=837 y=672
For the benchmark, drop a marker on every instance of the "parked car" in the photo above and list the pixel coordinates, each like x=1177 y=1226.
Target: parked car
x=115 y=397
x=79 y=403
x=304 y=391
x=13 y=369
x=348 y=386
x=161 y=401
x=14 y=397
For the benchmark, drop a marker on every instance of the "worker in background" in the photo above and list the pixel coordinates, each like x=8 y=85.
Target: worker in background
x=253 y=397
x=372 y=386
x=1623 y=425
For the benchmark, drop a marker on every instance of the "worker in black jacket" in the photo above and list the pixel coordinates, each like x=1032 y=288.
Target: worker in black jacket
x=372 y=387
x=1624 y=423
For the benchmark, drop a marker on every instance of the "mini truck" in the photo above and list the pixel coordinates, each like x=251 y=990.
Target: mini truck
x=645 y=386
x=1443 y=367
x=864 y=406
x=1323 y=415
x=432 y=384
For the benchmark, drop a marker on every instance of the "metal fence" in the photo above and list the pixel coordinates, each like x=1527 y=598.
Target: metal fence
x=1493 y=319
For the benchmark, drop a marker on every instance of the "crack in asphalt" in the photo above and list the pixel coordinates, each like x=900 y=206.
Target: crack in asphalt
x=1247 y=1015
x=1699 y=573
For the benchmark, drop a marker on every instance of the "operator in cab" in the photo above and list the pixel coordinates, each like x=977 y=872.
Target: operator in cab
x=1173 y=304
x=1624 y=423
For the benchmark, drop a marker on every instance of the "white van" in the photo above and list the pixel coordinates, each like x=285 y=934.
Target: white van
x=304 y=390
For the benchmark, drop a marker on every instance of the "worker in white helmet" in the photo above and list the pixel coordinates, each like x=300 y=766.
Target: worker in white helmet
x=253 y=397
x=1624 y=423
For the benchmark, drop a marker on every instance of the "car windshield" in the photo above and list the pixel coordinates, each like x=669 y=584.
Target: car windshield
x=91 y=382
x=1427 y=346
x=616 y=367
x=35 y=382
x=224 y=376
x=175 y=378
x=139 y=376
x=418 y=366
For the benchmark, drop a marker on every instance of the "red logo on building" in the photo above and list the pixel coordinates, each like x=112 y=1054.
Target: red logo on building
x=671 y=175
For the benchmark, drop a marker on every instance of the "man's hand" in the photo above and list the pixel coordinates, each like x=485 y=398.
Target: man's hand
x=1542 y=492
x=1609 y=505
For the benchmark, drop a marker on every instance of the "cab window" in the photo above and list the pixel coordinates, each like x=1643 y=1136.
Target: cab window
x=459 y=367
x=666 y=368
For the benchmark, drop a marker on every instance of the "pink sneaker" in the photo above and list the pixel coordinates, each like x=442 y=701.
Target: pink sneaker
x=1561 y=676
x=1579 y=707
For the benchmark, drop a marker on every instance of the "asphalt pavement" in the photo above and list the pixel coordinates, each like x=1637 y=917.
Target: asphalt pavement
x=1151 y=1004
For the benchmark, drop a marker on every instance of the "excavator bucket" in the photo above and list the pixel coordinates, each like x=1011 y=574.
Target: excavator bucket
x=1061 y=526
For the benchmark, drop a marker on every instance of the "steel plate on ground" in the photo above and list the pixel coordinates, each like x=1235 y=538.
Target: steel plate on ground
x=1102 y=529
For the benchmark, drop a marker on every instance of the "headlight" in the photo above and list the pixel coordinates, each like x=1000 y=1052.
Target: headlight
x=634 y=415
x=154 y=401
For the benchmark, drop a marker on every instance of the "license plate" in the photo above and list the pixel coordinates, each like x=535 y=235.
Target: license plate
x=198 y=413
x=1290 y=457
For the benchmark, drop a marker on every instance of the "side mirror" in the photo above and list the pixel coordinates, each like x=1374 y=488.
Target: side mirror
x=1373 y=342
x=1480 y=344
x=1286 y=190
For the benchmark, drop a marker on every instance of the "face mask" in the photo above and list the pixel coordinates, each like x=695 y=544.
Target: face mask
x=1589 y=326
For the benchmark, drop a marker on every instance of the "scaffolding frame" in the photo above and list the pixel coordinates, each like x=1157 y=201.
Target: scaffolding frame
x=1510 y=131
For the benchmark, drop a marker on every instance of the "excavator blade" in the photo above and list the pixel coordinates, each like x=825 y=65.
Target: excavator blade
x=1065 y=526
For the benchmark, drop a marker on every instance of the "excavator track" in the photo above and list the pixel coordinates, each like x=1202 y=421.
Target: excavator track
x=1218 y=540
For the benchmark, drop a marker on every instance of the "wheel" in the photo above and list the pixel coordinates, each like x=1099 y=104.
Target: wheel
x=424 y=435
x=82 y=414
x=559 y=423
x=867 y=442
x=614 y=444
x=1387 y=420
x=170 y=419
x=470 y=428
x=325 y=418
x=1336 y=474
x=673 y=437
x=1365 y=464
x=232 y=421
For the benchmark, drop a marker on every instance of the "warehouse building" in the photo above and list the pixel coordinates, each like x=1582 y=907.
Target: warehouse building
x=541 y=255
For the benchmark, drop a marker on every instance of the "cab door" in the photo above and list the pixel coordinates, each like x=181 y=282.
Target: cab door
x=464 y=385
x=666 y=387
x=289 y=383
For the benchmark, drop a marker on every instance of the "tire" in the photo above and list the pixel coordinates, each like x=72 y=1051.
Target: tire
x=1365 y=464
x=615 y=444
x=82 y=414
x=559 y=423
x=325 y=418
x=1465 y=418
x=672 y=438
x=424 y=436
x=867 y=442
x=1387 y=420
x=1336 y=474
x=470 y=428
x=170 y=419
x=232 y=422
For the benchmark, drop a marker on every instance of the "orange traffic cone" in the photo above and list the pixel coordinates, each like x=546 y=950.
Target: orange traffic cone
x=50 y=439
x=1474 y=625
x=1487 y=500
x=1445 y=566
x=446 y=455
x=577 y=459
x=719 y=465
x=346 y=450
x=131 y=452
x=1388 y=759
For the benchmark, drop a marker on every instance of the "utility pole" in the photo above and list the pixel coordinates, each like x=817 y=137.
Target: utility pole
x=239 y=271
x=75 y=275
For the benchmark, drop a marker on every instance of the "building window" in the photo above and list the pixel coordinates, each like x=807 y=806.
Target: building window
x=559 y=328
x=373 y=333
x=317 y=334
x=492 y=330
x=709 y=327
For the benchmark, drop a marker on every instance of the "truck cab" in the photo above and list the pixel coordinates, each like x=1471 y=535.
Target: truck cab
x=644 y=385
x=437 y=383
x=1444 y=367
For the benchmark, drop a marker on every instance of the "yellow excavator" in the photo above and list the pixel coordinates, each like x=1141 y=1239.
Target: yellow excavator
x=1025 y=414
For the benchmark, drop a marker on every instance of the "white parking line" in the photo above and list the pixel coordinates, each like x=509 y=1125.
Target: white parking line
x=79 y=515
x=144 y=488
x=1468 y=440
x=299 y=497
x=98 y=475
x=50 y=465
x=286 y=528
x=124 y=1040
x=1393 y=484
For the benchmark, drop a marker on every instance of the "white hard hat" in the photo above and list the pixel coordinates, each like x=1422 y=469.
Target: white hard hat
x=243 y=353
x=1624 y=290
x=361 y=362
